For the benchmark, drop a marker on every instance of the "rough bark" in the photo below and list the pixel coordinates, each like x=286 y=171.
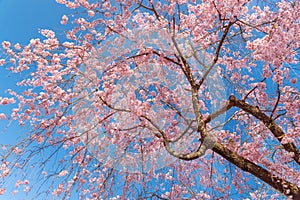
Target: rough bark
x=269 y=123
x=278 y=183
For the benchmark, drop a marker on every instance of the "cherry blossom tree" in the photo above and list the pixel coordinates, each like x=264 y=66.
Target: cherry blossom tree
x=171 y=99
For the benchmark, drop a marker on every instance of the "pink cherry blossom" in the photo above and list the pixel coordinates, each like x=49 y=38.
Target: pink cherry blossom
x=293 y=80
x=63 y=173
x=18 y=183
x=64 y=19
x=6 y=44
x=5 y=101
x=2 y=116
x=157 y=99
x=47 y=33
x=27 y=189
x=2 y=61
x=2 y=191
x=91 y=13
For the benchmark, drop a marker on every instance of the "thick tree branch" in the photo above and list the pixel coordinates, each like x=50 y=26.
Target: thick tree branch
x=206 y=144
x=279 y=184
x=195 y=98
x=218 y=112
x=285 y=187
x=269 y=123
x=184 y=65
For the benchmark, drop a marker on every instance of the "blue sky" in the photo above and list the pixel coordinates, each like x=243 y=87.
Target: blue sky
x=20 y=21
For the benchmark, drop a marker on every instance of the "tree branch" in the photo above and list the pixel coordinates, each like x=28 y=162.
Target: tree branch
x=216 y=54
x=279 y=184
x=269 y=123
x=285 y=187
x=218 y=112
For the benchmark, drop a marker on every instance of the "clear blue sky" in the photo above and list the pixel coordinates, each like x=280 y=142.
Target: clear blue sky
x=21 y=19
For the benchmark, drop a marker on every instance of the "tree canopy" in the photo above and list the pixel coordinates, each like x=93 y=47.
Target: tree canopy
x=171 y=99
